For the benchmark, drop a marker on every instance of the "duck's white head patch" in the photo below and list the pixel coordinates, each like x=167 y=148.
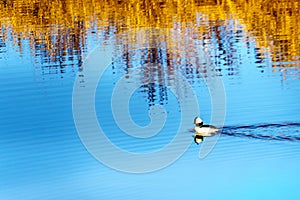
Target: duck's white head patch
x=197 y=120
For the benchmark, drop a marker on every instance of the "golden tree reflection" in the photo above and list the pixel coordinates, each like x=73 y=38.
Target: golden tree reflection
x=59 y=28
x=275 y=25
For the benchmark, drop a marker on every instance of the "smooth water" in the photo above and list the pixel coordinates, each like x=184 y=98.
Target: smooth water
x=252 y=47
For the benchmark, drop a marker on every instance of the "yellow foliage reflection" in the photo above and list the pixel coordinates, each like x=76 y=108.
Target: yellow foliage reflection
x=274 y=24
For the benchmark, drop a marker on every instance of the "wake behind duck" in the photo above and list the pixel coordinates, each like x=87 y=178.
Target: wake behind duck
x=248 y=131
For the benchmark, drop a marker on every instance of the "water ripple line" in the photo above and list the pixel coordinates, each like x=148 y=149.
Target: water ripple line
x=250 y=131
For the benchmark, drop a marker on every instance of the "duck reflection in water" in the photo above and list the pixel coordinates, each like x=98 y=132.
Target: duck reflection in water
x=203 y=130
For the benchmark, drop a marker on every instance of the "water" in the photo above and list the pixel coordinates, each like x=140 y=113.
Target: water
x=253 y=47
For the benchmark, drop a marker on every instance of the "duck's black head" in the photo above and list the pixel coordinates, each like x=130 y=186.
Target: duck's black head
x=198 y=121
x=199 y=124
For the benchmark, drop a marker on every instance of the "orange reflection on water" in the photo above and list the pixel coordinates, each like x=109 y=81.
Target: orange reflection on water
x=60 y=26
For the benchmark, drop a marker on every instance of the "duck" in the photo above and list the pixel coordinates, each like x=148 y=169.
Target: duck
x=203 y=130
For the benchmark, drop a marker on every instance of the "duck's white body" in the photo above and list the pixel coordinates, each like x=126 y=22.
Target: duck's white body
x=202 y=129
x=205 y=131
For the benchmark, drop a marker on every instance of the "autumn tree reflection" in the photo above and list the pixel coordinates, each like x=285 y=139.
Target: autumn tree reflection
x=57 y=30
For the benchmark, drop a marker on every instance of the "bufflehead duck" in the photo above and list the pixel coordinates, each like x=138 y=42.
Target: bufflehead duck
x=203 y=129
